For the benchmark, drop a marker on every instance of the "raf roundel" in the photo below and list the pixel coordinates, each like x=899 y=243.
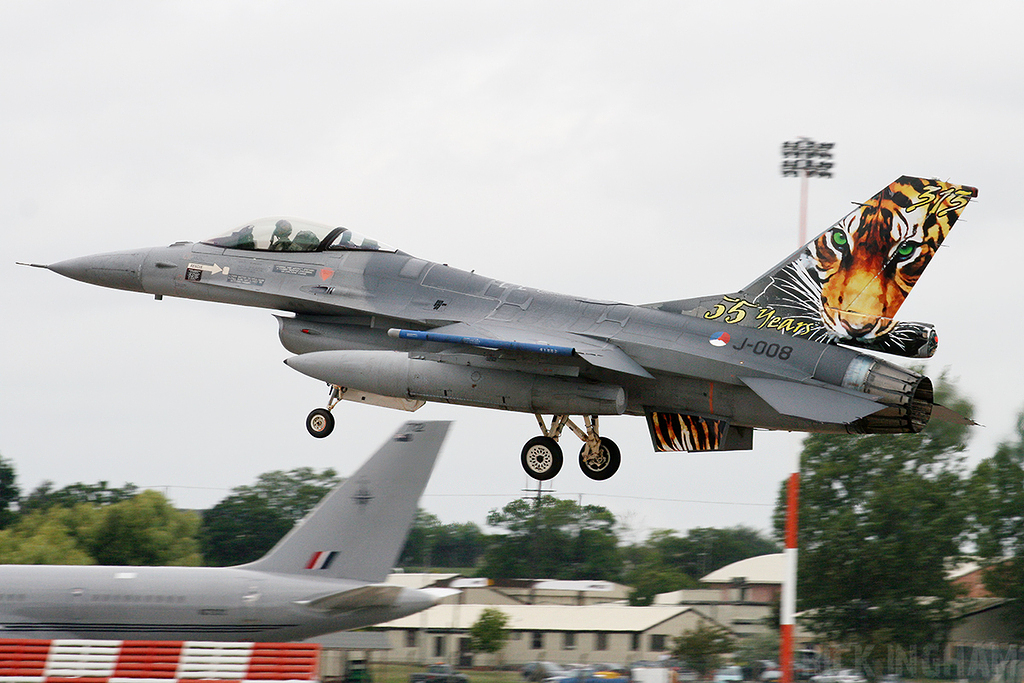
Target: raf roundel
x=719 y=339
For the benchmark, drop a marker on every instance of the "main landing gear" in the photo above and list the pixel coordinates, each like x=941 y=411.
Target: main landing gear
x=542 y=456
x=320 y=421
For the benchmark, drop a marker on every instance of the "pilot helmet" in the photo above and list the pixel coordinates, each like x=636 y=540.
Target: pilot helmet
x=282 y=228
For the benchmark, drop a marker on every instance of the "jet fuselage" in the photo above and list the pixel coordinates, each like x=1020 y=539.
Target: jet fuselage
x=178 y=603
x=350 y=300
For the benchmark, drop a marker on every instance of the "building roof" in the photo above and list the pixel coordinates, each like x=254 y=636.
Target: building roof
x=689 y=595
x=612 y=618
x=761 y=569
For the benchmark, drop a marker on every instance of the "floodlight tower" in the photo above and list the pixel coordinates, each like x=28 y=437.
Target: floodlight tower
x=805 y=158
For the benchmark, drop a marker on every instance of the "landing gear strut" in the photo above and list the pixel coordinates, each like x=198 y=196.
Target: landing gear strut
x=320 y=421
x=542 y=456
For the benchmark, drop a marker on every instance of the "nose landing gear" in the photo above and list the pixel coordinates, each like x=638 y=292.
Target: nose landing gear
x=320 y=421
x=542 y=456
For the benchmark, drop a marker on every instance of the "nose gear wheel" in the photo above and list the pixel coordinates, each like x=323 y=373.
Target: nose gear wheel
x=320 y=421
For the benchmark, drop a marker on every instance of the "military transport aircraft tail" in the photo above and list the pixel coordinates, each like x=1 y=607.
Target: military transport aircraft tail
x=358 y=530
x=846 y=284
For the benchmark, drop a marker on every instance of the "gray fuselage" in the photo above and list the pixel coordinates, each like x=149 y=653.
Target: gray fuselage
x=176 y=603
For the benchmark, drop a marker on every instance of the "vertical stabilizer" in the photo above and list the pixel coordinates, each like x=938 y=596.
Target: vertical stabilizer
x=358 y=530
x=847 y=284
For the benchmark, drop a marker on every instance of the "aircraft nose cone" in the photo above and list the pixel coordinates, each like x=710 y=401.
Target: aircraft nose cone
x=119 y=269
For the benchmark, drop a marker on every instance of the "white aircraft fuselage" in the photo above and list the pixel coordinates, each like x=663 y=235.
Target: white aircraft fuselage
x=179 y=603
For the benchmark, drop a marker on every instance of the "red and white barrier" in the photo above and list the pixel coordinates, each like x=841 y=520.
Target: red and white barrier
x=143 y=661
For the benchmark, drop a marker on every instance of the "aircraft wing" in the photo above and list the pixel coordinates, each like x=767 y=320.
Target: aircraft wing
x=370 y=595
x=552 y=346
x=811 y=402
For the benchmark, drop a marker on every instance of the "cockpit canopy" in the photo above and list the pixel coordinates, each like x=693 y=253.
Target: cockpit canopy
x=291 y=234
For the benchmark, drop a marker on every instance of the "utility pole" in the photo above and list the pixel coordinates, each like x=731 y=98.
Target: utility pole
x=804 y=158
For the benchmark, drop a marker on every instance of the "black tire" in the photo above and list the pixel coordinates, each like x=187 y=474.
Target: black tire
x=320 y=423
x=605 y=464
x=542 y=458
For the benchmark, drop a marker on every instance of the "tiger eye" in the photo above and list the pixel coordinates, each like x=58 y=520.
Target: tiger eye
x=839 y=238
x=906 y=249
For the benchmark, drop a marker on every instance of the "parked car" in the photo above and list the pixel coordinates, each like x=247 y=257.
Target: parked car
x=766 y=670
x=597 y=673
x=539 y=671
x=679 y=669
x=729 y=674
x=839 y=676
x=438 y=673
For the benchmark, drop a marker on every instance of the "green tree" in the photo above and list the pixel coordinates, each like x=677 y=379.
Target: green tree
x=239 y=529
x=459 y=545
x=144 y=530
x=251 y=519
x=42 y=537
x=756 y=649
x=996 y=493
x=489 y=633
x=881 y=517
x=292 y=493
x=552 y=538
x=9 y=493
x=702 y=648
x=44 y=496
x=433 y=544
x=419 y=544
x=651 y=569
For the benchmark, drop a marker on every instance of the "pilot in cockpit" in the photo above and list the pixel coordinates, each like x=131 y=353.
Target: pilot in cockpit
x=279 y=240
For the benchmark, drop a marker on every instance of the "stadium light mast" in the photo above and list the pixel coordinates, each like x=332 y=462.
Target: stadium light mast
x=805 y=158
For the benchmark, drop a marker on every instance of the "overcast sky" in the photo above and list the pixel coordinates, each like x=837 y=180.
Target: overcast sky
x=625 y=151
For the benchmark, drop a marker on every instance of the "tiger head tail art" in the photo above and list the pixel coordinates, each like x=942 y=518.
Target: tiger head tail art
x=847 y=284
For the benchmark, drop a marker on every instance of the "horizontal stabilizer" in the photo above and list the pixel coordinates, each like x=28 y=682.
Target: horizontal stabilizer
x=810 y=402
x=944 y=414
x=374 y=595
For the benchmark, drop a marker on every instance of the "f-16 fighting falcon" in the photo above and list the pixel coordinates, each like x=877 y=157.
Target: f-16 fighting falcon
x=327 y=574
x=785 y=352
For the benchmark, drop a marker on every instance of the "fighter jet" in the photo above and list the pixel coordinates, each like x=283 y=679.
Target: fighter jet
x=327 y=574
x=381 y=326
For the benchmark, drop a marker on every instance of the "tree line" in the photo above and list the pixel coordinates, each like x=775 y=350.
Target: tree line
x=543 y=537
x=883 y=520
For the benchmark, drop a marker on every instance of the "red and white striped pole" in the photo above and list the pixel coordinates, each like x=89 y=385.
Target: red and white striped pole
x=804 y=158
x=787 y=616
